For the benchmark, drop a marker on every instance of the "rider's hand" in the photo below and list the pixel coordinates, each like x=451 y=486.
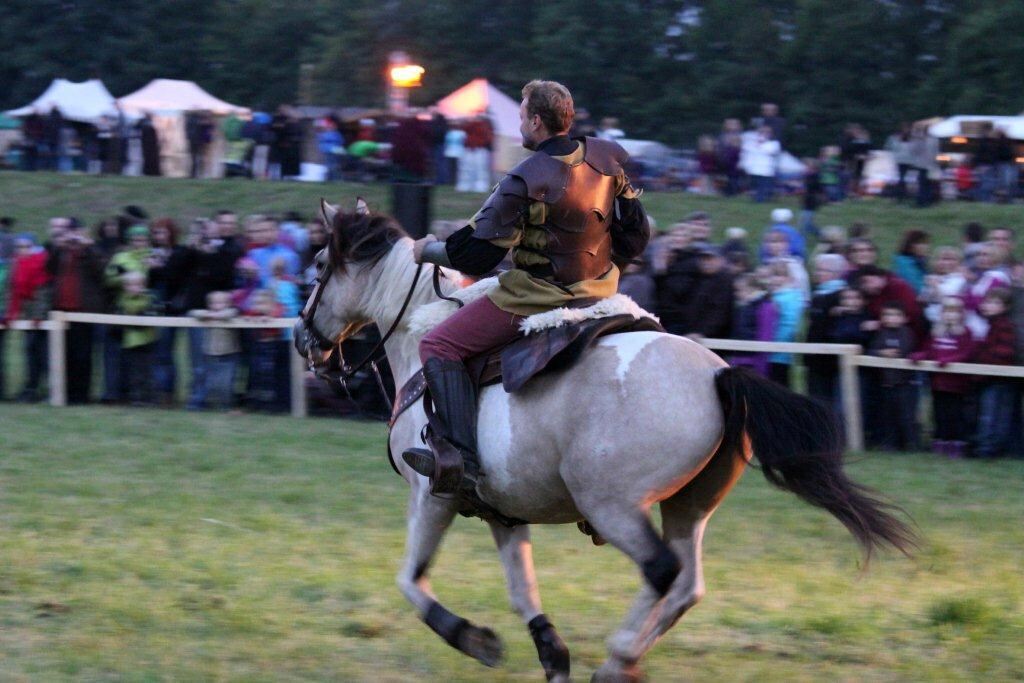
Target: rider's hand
x=418 y=246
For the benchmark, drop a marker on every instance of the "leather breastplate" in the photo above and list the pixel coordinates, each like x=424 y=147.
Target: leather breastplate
x=579 y=243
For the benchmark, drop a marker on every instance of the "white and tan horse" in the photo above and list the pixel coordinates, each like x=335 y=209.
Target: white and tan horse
x=643 y=418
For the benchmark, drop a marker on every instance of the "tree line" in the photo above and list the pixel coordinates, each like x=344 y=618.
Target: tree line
x=668 y=69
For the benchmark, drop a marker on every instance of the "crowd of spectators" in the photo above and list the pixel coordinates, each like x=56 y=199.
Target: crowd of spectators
x=981 y=168
x=213 y=269
x=954 y=303
x=963 y=303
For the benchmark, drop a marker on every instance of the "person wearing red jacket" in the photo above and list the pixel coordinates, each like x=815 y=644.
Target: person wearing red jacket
x=995 y=394
x=951 y=342
x=29 y=299
x=880 y=287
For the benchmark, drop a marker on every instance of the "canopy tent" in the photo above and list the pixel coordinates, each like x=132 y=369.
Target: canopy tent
x=480 y=97
x=947 y=128
x=86 y=102
x=169 y=96
x=169 y=100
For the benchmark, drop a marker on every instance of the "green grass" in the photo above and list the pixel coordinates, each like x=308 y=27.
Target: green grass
x=33 y=197
x=146 y=546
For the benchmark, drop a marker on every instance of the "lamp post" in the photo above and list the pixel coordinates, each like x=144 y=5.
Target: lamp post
x=401 y=76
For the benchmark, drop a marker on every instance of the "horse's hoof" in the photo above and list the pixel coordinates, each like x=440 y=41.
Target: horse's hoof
x=482 y=644
x=617 y=674
x=560 y=678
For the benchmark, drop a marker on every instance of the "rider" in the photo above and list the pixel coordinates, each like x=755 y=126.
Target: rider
x=564 y=211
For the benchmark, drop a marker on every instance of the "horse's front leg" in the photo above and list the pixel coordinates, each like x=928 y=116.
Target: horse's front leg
x=516 y=554
x=429 y=518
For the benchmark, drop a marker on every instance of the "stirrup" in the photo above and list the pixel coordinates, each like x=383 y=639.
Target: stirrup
x=445 y=472
x=420 y=460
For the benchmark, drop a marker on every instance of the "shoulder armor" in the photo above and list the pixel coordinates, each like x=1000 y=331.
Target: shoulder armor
x=545 y=177
x=502 y=209
x=604 y=156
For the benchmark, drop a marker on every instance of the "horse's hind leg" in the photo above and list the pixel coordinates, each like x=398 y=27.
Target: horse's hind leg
x=429 y=518
x=517 y=559
x=684 y=517
x=630 y=530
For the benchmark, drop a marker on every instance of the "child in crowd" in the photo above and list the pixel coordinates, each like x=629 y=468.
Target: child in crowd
x=995 y=394
x=946 y=279
x=265 y=355
x=851 y=323
x=221 y=349
x=137 y=343
x=247 y=281
x=790 y=301
x=777 y=250
x=755 y=317
x=897 y=401
x=286 y=292
x=951 y=342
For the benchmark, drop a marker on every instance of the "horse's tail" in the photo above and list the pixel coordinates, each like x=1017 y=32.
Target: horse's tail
x=799 y=444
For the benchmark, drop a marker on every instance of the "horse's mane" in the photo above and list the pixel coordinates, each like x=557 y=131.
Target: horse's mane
x=363 y=238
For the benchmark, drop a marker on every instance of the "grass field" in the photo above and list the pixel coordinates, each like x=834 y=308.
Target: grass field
x=147 y=546
x=33 y=197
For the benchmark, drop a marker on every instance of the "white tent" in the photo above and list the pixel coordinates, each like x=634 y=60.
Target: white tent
x=169 y=100
x=169 y=96
x=947 y=128
x=480 y=97
x=86 y=101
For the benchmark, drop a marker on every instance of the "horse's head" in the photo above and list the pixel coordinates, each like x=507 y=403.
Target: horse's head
x=339 y=303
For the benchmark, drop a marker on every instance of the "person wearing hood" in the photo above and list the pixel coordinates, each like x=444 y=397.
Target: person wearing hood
x=782 y=219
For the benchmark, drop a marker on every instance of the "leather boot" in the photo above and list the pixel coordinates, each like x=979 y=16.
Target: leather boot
x=451 y=463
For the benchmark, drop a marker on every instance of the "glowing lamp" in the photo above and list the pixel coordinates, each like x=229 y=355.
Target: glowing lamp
x=407 y=76
x=958 y=140
x=1019 y=160
x=942 y=158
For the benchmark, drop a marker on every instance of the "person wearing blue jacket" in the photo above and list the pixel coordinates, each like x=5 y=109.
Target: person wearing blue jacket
x=790 y=302
x=911 y=261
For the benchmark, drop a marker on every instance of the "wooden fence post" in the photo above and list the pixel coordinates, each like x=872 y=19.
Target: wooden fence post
x=57 y=373
x=849 y=382
x=298 y=377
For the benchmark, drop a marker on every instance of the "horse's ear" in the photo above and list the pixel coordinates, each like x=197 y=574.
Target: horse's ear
x=362 y=208
x=328 y=212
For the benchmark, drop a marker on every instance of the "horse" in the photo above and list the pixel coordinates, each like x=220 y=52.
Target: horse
x=642 y=418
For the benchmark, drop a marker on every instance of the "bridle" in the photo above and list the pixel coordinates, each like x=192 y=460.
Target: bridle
x=337 y=372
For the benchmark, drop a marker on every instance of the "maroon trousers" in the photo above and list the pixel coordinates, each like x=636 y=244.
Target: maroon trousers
x=475 y=328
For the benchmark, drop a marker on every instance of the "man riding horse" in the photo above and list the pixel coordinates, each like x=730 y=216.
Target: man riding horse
x=565 y=212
